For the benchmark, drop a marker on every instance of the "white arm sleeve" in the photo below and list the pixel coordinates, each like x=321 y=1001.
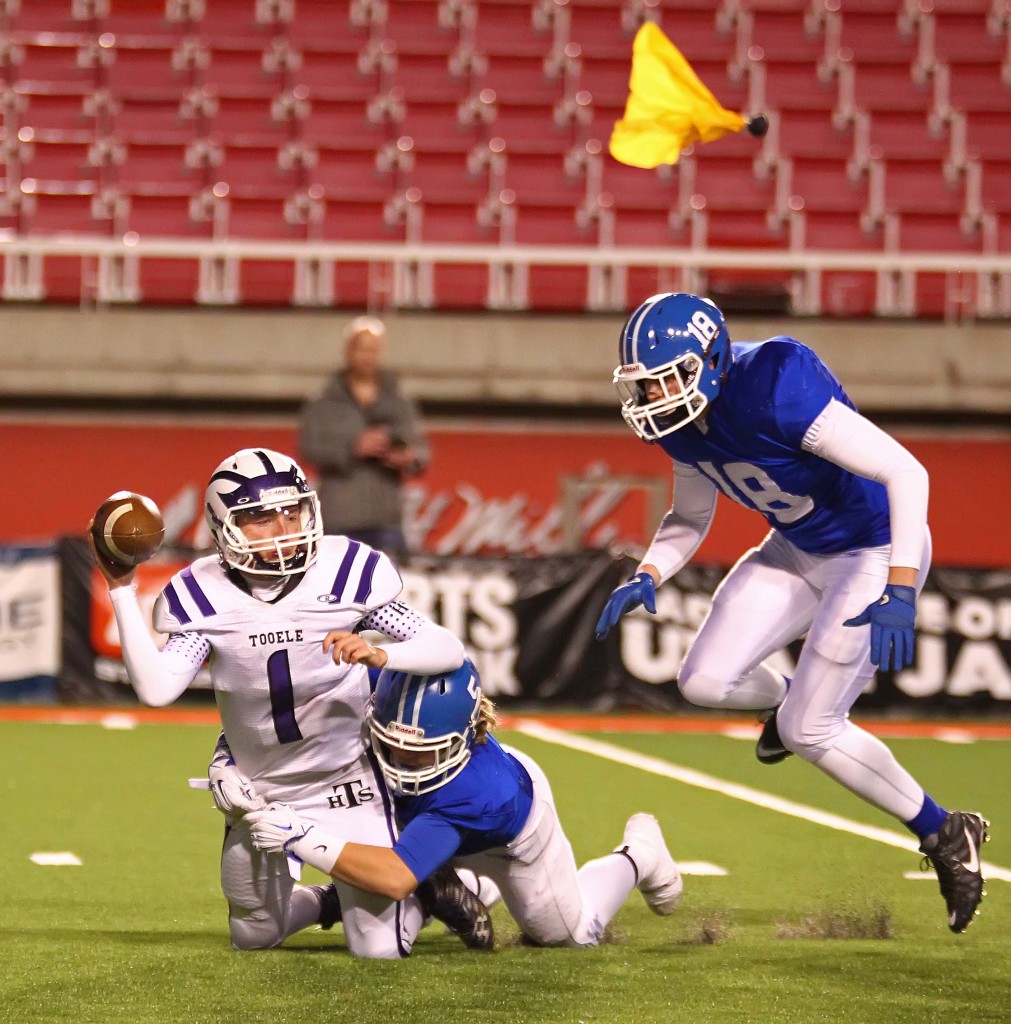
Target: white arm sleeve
x=421 y=646
x=851 y=441
x=158 y=677
x=685 y=526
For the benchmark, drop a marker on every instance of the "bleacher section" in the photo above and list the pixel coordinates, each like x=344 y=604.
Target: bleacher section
x=485 y=122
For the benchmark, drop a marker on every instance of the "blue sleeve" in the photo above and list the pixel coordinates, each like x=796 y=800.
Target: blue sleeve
x=426 y=843
x=802 y=388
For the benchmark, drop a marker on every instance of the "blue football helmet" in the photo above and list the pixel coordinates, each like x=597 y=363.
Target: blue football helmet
x=260 y=480
x=422 y=727
x=674 y=352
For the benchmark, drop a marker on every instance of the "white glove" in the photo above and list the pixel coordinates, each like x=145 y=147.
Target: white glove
x=278 y=829
x=233 y=793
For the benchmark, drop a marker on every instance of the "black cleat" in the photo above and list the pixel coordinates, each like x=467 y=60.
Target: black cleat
x=444 y=897
x=769 y=749
x=954 y=853
x=329 y=905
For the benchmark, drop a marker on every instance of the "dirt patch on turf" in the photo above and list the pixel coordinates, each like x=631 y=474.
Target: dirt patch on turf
x=873 y=922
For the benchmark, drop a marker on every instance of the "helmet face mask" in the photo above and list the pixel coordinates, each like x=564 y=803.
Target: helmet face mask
x=247 y=494
x=674 y=351
x=422 y=727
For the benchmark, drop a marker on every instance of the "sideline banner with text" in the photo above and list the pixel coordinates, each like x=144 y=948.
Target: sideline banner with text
x=29 y=622
x=528 y=623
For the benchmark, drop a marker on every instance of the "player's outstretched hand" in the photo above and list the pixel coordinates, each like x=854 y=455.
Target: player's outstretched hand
x=639 y=590
x=233 y=793
x=276 y=828
x=116 y=575
x=353 y=649
x=891 y=619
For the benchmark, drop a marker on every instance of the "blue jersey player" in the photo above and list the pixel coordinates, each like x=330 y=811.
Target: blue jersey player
x=465 y=800
x=768 y=424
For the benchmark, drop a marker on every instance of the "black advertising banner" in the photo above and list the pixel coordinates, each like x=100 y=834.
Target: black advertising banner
x=528 y=624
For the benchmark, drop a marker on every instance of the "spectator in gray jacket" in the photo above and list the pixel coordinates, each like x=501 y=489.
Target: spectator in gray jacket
x=365 y=438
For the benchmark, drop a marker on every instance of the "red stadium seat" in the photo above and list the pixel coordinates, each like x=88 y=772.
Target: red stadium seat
x=64 y=211
x=906 y=137
x=506 y=27
x=923 y=231
x=139 y=17
x=989 y=134
x=58 y=156
x=154 y=214
x=978 y=86
x=875 y=36
x=918 y=186
x=962 y=37
x=334 y=72
x=784 y=35
x=233 y=20
x=540 y=179
x=811 y=133
x=144 y=68
x=157 y=161
x=824 y=186
x=796 y=84
x=997 y=186
x=889 y=86
x=53 y=60
x=414 y=26
x=149 y=113
x=49 y=108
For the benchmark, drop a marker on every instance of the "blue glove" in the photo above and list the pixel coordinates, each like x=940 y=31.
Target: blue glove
x=891 y=619
x=639 y=590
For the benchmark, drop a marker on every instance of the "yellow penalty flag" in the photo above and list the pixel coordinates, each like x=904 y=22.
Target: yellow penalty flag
x=668 y=107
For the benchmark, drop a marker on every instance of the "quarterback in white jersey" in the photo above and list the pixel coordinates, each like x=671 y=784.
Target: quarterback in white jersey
x=279 y=611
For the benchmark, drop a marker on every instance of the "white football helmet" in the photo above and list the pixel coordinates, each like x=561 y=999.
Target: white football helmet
x=259 y=479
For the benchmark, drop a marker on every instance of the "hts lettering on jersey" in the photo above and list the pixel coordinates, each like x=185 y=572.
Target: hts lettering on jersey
x=350 y=794
x=281 y=636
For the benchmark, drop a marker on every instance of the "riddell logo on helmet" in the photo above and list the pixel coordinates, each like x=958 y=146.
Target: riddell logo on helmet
x=277 y=493
x=406 y=730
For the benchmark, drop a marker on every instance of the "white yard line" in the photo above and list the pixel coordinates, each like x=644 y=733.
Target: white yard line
x=690 y=777
x=59 y=860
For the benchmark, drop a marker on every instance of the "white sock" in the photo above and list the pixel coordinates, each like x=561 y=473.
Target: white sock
x=481 y=886
x=604 y=885
x=761 y=688
x=865 y=766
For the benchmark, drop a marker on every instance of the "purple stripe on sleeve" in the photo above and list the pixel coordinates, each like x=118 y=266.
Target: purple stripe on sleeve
x=391 y=827
x=345 y=569
x=205 y=606
x=175 y=605
x=365 y=584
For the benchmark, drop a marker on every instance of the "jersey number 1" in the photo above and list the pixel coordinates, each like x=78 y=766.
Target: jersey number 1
x=282 y=698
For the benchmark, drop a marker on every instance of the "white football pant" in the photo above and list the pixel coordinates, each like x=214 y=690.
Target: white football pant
x=553 y=903
x=264 y=904
x=773 y=595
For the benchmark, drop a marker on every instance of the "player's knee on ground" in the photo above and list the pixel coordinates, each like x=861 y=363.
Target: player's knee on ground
x=808 y=737
x=378 y=945
x=253 y=929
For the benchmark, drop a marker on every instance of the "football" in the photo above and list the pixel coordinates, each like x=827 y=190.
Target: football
x=128 y=528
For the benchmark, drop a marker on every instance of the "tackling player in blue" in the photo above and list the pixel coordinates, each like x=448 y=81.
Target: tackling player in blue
x=463 y=799
x=768 y=424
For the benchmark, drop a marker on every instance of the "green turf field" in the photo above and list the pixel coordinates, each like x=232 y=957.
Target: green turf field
x=138 y=932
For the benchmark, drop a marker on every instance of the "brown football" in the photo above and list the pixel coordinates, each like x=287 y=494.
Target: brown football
x=128 y=528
